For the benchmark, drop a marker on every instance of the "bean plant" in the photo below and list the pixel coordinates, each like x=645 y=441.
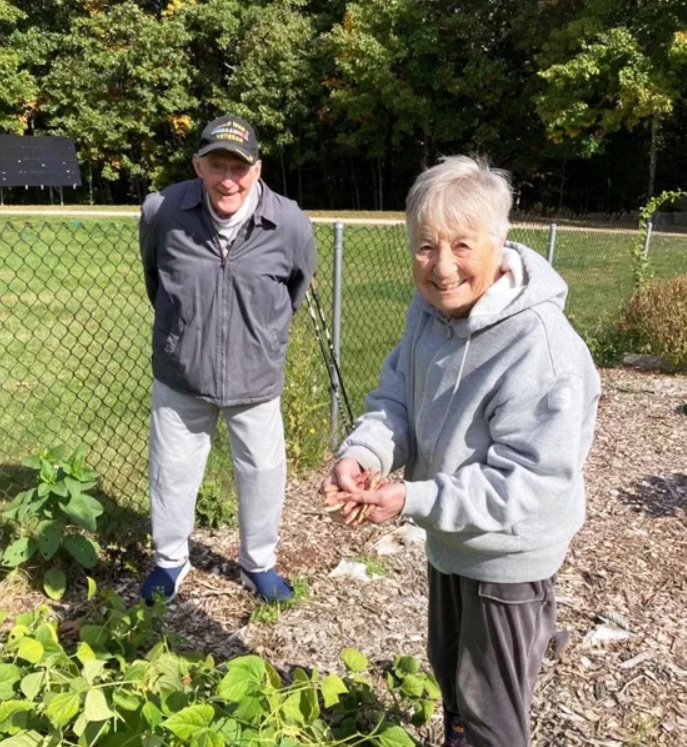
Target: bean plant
x=113 y=678
x=45 y=524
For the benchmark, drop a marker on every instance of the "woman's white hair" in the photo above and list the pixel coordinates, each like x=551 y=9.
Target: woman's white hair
x=460 y=194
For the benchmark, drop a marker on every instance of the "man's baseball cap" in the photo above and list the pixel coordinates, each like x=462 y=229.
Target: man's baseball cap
x=232 y=134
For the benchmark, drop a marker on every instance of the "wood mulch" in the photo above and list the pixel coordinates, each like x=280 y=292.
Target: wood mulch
x=621 y=679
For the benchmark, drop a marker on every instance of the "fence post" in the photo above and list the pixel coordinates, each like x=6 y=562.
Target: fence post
x=552 y=243
x=336 y=329
x=647 y=238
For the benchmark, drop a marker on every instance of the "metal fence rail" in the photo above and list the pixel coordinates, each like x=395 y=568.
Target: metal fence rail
x=75 y=326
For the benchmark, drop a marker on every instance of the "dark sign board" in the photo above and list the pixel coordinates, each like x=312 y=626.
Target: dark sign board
x=33 y=161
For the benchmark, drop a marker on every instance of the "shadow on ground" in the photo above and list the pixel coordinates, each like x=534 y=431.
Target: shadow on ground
x=657 y=495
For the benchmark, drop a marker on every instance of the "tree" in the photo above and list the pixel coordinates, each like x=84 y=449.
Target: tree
x=272 y=83
x=18 y=89
x=120 y=88
x=617 y=64
x=373 y=100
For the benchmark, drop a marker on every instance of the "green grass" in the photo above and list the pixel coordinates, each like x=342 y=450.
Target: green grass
x=75 y=337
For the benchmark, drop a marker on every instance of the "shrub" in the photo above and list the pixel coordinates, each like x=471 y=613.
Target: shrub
x=657 y=319
x=45 y=522
x=215 y=507
x=609 y=340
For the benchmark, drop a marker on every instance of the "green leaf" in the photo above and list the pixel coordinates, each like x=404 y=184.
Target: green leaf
x=209 y=739
x=354 y=660
x=96 y=636
x=92 y=669
x=432 y=688
x=85 y=653
x=82 y=549
x=251 y=708
x=21 y=500
x=19 y=552
x=62 y=708
x=33 y=462
x=59 y=488
x=245 y=675
x=229 y=728
x=9 y=709
x=96 y=707
x=126 y=700
x=30 y=650
x=190 y=721
x=291 y=709
x=25 y=739
x=423 y=711
x=152 y=715
x=394 y=736
x=332 y=687
x=92 y=588
x=32 y=684
x=48 y=535
x=83 y=510
x=10 y=674
x=54 y=583
x=413 y=686
x=46 y=633
x=407 y=665
x=44 y=489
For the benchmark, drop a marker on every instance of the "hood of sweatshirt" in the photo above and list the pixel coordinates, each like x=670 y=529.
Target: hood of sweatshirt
x=541 y=284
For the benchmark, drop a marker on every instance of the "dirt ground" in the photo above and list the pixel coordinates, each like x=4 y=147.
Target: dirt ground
x=622 y=593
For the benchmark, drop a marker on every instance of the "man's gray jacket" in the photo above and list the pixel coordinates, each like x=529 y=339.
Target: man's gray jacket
x=221 y=325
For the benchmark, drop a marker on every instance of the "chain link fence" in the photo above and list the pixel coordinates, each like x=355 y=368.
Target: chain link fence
x=75 y=328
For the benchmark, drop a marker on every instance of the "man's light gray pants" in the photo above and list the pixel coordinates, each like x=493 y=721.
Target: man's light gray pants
x=182 y=429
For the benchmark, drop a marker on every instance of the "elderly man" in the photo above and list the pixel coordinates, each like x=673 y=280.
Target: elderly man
x=489 y=402
x=227 y=263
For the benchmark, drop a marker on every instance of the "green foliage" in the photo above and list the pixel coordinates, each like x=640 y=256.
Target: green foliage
x=120 y=86
x=215 y=509
x=657 y=318
x=640 y=257
x=270 y=612
x=113 y=679
x=18 y=90
x=609 y=341
x=305 y=399
x=375 y=566
x=45 y=522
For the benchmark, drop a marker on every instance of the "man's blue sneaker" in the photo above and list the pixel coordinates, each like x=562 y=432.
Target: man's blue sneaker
x=165 y=582
x=267 y=584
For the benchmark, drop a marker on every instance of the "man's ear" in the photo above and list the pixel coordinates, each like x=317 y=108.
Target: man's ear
x=258 y=169
x=197 y=165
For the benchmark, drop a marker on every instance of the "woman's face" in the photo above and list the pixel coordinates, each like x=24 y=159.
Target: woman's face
x=452 y=273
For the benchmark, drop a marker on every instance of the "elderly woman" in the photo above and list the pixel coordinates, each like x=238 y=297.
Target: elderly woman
x=489 y=402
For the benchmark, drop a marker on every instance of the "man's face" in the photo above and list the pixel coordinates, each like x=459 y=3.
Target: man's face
x=453 y=273
x=227 y=179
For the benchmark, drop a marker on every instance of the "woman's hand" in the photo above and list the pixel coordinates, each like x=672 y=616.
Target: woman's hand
x=378 y=505
x=353 y=495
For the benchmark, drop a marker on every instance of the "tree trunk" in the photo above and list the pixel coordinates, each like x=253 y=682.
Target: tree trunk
x=283 y=173
x=653 y=152
x=356 y=191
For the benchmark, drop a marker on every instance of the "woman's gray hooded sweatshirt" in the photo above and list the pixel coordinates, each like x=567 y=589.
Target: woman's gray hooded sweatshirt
x=493 y=417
